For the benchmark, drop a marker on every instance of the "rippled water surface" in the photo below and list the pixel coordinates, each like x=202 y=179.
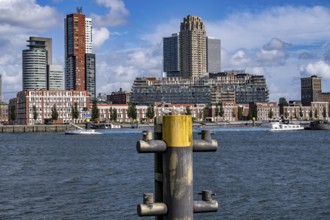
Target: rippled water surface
x=255 y=175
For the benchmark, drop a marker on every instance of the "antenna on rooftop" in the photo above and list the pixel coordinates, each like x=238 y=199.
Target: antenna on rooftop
x=79 y=10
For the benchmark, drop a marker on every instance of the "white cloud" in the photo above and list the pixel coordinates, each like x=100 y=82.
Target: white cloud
x=100 y=35
x=296 y=25
x=116 y=16
x=19 y=16
x=319 y=68
x=239 y=59
x=273 y=53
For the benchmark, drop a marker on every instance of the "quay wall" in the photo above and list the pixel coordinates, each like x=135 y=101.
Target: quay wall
x=34 y=128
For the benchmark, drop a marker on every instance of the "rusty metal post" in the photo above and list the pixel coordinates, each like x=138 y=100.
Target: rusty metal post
x=177 y=167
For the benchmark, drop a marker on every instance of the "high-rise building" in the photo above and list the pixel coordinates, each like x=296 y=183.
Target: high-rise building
x=34 y=66
x=311 y=90
x=38 y=71
x=213 y=47
x=90 y=75
x=171 y=55
x=78 y=43
x=193 y=57
x=55 y=77
x=190 y=53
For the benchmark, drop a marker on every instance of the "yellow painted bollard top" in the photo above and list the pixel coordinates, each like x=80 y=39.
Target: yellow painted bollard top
x=177 y=130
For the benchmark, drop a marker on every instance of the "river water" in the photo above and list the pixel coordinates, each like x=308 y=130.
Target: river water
x=255 y=174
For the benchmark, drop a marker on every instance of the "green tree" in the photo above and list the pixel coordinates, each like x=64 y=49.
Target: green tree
x=114 y=115
x=221 y=111
x=301 y=114
x=54 y=113
x=270 y=114
x=282 y=102
x=240 y=113
x=132 y=112
x=253 y=111
x=188 y=111
x=110 y=113
x=310 y=114
x=150 y=112
x=95 y=111
x=217 y=110
x=34 y=112
x=75 y=111
x=206 y=112
x=13 y=113
x=324 y=113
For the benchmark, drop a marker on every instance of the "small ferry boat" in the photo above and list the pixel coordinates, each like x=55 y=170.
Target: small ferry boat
x=80 y=131
x=283 y=126
x=77 y=132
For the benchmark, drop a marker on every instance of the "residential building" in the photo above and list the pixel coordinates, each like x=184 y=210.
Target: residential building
x=3 y=113
x=193 y=58
x=264 y=111
x=80 y=71
x=213 y=54
x=120 y=97
x=171 y=55
x=241 y=88
x=175 y=90
x=311 y=90
x=45 y=100
x=315 y=111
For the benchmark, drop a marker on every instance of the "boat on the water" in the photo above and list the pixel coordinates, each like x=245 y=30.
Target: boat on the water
x=285 y=126
x=81 y=131
x=319 y=125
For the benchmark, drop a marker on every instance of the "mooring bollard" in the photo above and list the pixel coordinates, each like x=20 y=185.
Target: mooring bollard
x=175 y=178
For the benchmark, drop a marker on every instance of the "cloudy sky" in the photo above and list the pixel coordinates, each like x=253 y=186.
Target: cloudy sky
x=281 y=39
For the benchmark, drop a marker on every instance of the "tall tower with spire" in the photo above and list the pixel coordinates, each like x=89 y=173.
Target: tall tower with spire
x=80 y=71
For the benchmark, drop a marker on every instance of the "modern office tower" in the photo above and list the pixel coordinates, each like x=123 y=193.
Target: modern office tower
x=311 y=90
x=79 y=57
x=34 y=68
x=171 y=55
x=55 y=77
x=193 y=61
x=48 y=46
x=90 y=75
x=213 y=54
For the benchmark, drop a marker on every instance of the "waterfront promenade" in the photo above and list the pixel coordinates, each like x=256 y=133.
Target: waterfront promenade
x=62 y=127
x=34 y=128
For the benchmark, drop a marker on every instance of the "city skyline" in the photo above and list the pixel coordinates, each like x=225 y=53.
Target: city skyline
x=283 y=41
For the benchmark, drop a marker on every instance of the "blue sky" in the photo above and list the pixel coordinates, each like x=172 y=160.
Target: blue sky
x=283 y=40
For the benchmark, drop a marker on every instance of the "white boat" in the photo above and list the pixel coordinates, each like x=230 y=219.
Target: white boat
x=280 y=126
x=81 y=131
